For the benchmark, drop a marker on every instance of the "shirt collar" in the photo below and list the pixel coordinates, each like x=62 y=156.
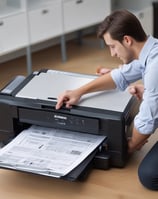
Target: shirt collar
x=146 y=49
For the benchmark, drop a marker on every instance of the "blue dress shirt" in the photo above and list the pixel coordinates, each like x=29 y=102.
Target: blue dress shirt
x=145 y=68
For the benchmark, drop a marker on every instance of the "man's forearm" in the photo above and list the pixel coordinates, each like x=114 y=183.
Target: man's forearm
x=104 y=82
x=136 y=141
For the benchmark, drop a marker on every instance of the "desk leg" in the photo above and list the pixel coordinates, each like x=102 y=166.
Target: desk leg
x=79 y=37
x=29 y=60
x=63 y=48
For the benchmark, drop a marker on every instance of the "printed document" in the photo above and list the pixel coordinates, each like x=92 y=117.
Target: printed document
x=48 y=151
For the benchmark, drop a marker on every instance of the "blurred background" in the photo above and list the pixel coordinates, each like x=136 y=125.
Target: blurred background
x=61 y=34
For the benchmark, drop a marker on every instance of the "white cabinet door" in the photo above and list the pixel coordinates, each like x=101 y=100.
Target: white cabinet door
x=13 y=33
x=78 y=14
x=45 y=23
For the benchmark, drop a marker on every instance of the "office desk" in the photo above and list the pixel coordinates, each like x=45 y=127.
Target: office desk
x=110 y=184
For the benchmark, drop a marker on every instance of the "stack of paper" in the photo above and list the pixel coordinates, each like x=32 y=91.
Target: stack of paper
x=48 y=151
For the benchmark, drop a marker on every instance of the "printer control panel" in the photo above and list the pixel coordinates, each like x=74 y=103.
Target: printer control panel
x=75 y=122
x=59 y=120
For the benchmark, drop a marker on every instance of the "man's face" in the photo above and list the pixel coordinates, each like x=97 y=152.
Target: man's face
x=121 y=50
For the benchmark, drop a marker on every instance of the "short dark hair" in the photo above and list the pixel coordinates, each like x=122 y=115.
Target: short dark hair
x=120 y=23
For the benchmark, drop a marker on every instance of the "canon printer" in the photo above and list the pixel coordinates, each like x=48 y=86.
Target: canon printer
x=31 y=100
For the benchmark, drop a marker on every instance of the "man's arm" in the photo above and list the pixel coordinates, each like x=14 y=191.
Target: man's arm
x=69 y=98
x=137 y=140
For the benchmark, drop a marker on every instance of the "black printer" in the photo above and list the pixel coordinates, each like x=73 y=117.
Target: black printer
x=31 y=100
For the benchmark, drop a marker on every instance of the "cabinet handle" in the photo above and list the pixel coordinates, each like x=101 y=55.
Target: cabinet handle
x=1 y=23
x=45 y=11
x=141 y=15
x=79 y=1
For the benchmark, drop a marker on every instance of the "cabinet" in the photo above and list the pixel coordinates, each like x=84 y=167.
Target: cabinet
x=24 y=23
x=79 y=14
x=45 y=20
x=10 y=7
x=13 y=26
x=10 y=38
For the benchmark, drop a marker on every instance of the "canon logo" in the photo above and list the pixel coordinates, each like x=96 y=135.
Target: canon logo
x=60 y=117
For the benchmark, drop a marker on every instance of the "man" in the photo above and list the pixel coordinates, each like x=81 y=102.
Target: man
x=126 y=39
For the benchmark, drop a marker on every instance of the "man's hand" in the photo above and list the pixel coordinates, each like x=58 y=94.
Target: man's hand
x=132 y=147
x=137 y=91
x=102 y=71
x=69 y=98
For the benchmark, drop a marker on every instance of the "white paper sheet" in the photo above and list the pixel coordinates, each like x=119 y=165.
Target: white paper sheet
x=48 y=151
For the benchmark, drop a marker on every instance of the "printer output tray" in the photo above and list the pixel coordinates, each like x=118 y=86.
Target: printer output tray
x=78 y=174
x=51 y=152
x=82 y=170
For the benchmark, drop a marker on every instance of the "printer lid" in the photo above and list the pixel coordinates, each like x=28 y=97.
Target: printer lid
x=50 y=84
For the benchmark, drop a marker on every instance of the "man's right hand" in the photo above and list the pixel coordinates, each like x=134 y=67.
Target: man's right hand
x=68 y=98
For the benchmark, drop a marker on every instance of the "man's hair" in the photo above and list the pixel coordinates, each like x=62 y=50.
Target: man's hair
x=120 y=23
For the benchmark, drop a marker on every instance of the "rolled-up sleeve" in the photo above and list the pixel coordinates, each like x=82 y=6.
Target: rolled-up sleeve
x=127 y=74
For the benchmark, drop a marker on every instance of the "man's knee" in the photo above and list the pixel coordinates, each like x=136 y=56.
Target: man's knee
x=148 y=169
x=148 y=178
